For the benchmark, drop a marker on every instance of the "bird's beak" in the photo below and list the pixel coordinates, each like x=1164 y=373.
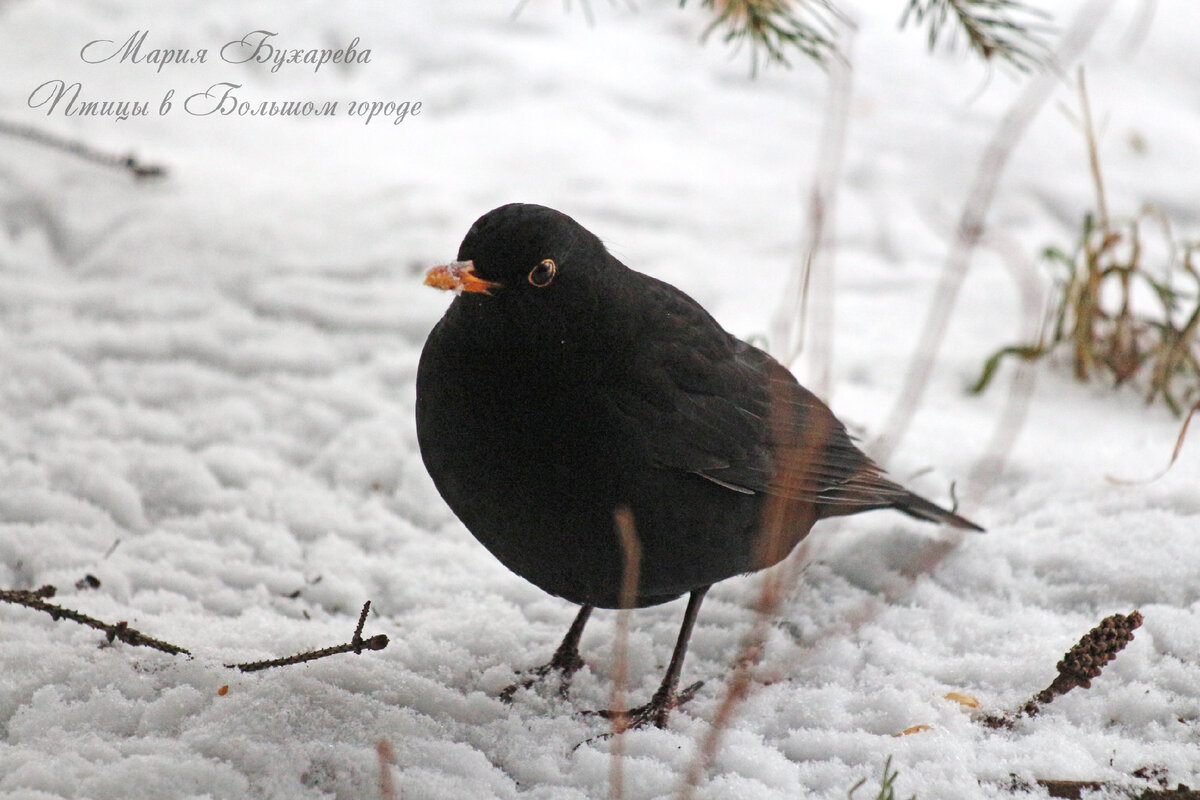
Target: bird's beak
x=459 y=276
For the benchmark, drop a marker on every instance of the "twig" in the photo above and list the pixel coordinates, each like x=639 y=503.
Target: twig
x=356 y=645
x=36 y=599
x=86 y=152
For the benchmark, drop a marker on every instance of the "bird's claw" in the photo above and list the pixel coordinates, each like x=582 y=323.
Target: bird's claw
x=655 y=712
x=566 y=664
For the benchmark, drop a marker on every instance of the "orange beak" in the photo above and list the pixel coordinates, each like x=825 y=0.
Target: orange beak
x=459 y=276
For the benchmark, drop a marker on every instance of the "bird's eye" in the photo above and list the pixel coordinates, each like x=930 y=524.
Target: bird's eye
x=543 y=273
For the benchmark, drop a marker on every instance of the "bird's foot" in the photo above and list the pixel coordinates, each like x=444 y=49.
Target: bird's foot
x=566 y=662
x=653 y=713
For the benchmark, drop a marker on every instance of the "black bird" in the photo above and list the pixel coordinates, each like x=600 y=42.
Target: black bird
x=561 y=386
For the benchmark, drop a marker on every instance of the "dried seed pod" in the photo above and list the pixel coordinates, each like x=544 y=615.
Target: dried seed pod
x=1081 y=664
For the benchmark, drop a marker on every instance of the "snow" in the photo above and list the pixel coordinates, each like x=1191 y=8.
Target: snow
x=207 y=385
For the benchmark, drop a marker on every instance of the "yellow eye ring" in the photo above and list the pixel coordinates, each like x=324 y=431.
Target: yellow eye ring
x=543 y=273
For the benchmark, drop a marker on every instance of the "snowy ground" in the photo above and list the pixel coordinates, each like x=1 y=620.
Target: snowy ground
x=206 y=397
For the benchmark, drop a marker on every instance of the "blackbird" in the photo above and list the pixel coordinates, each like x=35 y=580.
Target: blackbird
x=561 y=386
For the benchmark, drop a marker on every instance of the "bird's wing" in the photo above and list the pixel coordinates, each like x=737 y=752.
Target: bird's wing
x=814 y=457
x=703 y=401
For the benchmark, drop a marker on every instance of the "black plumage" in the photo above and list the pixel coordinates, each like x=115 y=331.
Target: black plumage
x=561 y=385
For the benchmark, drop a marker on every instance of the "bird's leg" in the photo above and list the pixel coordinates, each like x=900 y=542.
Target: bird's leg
x=566 y=660
x=667 y=697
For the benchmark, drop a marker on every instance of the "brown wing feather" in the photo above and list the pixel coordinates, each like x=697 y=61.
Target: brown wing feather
x=725 y=410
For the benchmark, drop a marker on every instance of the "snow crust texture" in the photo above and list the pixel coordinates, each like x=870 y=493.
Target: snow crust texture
x=207 y=388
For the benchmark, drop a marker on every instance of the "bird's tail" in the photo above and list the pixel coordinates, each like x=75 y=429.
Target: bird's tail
x=920 y=508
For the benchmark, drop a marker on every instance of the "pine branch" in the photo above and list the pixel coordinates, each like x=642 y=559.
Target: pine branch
x=1010 y=30
x=773 y=28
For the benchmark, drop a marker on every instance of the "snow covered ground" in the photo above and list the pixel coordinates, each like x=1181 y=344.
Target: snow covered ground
x=206 y=402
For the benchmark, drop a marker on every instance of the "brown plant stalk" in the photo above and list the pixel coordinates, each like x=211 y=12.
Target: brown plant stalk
x=631 y=551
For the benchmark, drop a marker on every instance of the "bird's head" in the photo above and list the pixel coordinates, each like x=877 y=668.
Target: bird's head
x=518 y=248
x=531 y=265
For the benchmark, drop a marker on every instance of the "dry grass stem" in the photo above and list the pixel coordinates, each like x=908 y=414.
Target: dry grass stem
x=1174 y=453
x=792 y=320
x=971 y=225
x=1108 y=262
x=387 y=757
x=784 y=522
x=989 y=466
x=774 y=540
x=1089 y=132
x=631 y=552
x=737 y=687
